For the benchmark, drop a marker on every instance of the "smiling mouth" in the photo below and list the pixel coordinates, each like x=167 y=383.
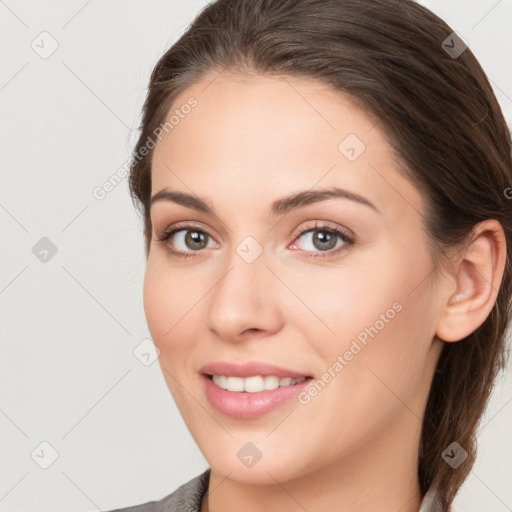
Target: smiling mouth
x=254 y=384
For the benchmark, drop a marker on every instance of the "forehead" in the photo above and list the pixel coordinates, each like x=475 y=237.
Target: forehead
x=244 y=112
x=273 y=133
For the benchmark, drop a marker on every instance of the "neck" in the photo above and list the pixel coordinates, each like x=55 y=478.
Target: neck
x=381 y=476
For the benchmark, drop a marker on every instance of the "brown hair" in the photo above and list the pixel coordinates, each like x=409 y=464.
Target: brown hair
x=441 y=118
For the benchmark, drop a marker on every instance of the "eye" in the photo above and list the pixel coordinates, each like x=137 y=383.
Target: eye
x=188 y=239
x=323 y=239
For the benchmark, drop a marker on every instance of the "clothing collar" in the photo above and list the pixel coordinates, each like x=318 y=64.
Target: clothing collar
x=431 y=501
x=197 y=487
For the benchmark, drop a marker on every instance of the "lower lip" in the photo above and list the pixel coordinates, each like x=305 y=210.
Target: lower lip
x=245 y=405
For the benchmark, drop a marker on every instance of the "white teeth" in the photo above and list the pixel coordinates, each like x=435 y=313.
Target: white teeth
x=254 y=384
x=235 y=384
x=271 y=382
x=285 y=381
x=221 y=381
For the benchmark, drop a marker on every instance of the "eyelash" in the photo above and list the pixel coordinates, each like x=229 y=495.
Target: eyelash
x=324 y=228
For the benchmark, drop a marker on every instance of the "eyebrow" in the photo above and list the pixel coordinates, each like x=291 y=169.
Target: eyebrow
x=280 y=206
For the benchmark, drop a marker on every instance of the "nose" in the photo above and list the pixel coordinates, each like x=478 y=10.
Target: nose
x=244 y=303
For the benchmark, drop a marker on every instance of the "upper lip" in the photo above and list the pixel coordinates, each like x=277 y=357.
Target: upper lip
x=249 y=369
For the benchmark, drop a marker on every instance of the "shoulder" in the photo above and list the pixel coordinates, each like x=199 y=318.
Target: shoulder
x=186 y=498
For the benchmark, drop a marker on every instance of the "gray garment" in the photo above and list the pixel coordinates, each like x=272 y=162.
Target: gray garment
x=188 y=498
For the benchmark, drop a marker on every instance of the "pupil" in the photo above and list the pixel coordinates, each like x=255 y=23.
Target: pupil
x=323 y=237
x=195 y=237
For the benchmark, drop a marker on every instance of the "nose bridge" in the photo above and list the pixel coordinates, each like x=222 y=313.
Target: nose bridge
x=242 y=298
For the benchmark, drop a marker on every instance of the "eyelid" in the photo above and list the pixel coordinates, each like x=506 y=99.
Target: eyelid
x=320 y=225
x=185 y=225
x=343 y=233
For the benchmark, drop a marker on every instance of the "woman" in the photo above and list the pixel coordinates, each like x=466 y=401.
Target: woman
x=328 y=236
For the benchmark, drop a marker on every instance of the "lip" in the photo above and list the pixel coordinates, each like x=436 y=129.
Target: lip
x=247 y=406
x=249 y=369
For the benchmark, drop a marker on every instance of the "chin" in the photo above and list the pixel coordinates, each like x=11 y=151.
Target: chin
x=262 y=473
x=257 y=463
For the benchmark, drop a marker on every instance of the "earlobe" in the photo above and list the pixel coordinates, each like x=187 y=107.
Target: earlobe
x=478 y=274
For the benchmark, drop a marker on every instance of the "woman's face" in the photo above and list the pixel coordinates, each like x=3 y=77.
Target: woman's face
x=355 y=312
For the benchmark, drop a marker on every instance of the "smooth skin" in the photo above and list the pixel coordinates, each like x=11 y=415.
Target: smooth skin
x=251 y=140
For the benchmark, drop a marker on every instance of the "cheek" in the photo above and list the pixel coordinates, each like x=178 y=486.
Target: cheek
x=157 y=303
x=383 y=305
x=168 y=302
x=383 y=324
x=358 y=300
x=168 y=305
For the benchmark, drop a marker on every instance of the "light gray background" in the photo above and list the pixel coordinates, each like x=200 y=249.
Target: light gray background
x=69 y=326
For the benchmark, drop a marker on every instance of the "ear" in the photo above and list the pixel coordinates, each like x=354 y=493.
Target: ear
x=477 y=274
